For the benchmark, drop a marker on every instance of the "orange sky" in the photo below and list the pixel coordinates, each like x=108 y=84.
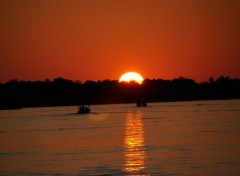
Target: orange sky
x=101 y=39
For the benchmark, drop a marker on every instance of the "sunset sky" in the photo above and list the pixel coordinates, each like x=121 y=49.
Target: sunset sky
x=101 y=39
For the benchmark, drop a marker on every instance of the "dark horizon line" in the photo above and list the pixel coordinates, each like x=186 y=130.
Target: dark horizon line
x=61 y=92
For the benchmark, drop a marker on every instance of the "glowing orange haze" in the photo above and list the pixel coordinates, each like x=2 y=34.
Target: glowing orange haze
x=99 y=40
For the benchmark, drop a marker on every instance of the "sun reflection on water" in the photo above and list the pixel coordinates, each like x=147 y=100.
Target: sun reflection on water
x=134 y=143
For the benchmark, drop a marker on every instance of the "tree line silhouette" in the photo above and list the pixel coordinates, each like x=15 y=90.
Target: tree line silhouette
x=63 y=92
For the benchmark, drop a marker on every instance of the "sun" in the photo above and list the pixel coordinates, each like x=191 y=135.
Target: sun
x=131 y=76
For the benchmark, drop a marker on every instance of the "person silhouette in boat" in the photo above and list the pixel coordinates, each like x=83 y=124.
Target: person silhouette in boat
x=83 y=109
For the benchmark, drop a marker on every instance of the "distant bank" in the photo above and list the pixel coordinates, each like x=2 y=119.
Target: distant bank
x=62 y=92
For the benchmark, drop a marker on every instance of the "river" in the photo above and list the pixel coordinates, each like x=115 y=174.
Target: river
x=170 y=138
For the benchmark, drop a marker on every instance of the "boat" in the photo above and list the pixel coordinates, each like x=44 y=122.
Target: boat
x=83 y=109
x=141 y=103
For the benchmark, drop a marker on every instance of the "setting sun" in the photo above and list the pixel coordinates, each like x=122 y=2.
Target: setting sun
x=131 y=76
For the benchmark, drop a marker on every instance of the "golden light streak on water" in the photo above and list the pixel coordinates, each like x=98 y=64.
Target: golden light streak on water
x=134 y=143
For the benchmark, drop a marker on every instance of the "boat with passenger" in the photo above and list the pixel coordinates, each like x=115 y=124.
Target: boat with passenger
x=84 y=109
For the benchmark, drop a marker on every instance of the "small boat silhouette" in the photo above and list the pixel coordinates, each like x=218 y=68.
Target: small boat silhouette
x=83 y=109
x=141 y=103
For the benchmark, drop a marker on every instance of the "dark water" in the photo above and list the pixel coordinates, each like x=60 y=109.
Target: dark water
x=178 y=138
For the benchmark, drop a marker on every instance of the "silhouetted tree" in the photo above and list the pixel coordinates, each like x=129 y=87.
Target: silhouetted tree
x=60 y=91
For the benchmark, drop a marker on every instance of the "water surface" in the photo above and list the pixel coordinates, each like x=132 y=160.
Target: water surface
x=177 y=138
